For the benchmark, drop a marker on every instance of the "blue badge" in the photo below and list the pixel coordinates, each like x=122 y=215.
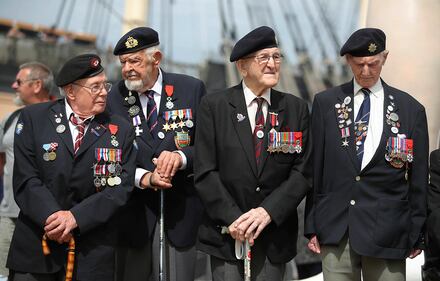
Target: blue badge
x=19 y=128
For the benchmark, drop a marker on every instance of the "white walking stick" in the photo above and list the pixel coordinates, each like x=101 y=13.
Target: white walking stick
x=161 y=237
x=242 y=252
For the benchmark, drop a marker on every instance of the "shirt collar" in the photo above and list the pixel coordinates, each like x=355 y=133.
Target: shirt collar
x=157 y=87
x=374 y=90
x=249 y=96
x=69 y=112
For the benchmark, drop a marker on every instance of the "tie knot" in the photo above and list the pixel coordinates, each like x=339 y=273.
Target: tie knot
x=77 y=121
x=259 y=101
x=366 y=91
x=150 y=94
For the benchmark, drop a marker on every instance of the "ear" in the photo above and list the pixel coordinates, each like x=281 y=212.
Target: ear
x=241 y=67
x=37 y=86
x=385 y=56
x=157 y=57
x=68 y=89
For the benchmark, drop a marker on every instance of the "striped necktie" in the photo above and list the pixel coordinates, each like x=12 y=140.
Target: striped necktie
x=151 y=111
x=361 y=124
x=259 y=129
x=80 y=124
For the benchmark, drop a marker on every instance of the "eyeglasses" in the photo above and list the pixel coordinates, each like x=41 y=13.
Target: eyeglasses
x=20 y=82
x=264 y=59
x=96 y=89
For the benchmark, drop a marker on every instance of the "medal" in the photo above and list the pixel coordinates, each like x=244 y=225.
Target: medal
x=169 y=89
x=347 y=100
x=182 y=139
x=111 y=168
x=114 y=142
x=117 y=180
x=46 y=156
x=97 y=182
x=138 y=131
x=394 y=117
x=113 y=131
x=189 y=123
x=60 y=128
x=260 y=134
x=161 y=135
x=110 y=181
x=103 y=181
x=118 y=168
x=394 y=130
x=52 y=155
x=58 y=120
x=134 y=110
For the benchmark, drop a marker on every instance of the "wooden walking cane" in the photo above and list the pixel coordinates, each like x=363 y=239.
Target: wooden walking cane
x=70 y=255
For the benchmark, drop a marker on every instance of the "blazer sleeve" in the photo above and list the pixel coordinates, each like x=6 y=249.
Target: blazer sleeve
x=219 y=204
x=418 y=184
x=318 y=131
x=33 y=197
x=189 y=150
x=98 y=208
x=284 y=200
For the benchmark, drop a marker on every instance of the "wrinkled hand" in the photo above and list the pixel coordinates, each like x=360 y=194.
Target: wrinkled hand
x=59 y=225
x=155 y=180
x=314 y=245
x=250 y=224
x=414 y=253
x=168 y=163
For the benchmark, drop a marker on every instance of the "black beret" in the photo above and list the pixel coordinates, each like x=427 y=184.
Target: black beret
x=364 y=43
x=260 y=38
x=79 y=67
x=135 y=40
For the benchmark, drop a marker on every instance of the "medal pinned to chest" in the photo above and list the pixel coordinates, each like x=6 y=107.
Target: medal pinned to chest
x=400 y=152
x=50 y=151
x=113 y=131
x=343 y=111
x=169 y=90
x=108 y=168
x=285 y=142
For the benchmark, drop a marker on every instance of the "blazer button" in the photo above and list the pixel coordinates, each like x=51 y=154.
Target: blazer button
x=358 y=178
x=352 y=202
x=257 y=189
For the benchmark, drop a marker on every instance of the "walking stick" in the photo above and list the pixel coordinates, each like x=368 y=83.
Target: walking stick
x=242 y=252
x=70 y=255
x=161 y=237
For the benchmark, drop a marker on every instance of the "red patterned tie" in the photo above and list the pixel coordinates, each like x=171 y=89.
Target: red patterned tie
x=151 y=111
x=259 y=129
x=80 y=126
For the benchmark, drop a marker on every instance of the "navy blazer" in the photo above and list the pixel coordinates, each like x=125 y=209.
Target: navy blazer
x=381 y=210
x=66 y=183
x=183 y=209
x=231 y=183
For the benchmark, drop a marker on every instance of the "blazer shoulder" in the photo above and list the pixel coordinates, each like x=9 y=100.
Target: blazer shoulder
x=291 y=99
x=38 y=109
x=405 y=97
x=181 y=78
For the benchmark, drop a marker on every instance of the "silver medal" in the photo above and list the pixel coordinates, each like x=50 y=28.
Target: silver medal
x=347 y=100
x=118 y=169
x=169 y=104
x=131 y=100
x=134 y=110
x=97 y=182
x=260 y=134
x=46 y=156
x=114 y=142
x=58 y=120
x=117 y=180
x=111 y=168
x=103 y=181
x=390 y=108
x=394 y=130
x=189 y=123
x=394 y=117
x=60 y=128
x=337 y=105
x=161 y=135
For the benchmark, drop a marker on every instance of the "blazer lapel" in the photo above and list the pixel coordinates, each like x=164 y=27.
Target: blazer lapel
x=59 y=109
x=346 y=94
x=242 y=126
x=94 y=132
x=276 y=106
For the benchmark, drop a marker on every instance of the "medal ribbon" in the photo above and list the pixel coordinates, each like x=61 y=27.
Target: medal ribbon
x=136 y=120
x=169 y=89
x=113 y=128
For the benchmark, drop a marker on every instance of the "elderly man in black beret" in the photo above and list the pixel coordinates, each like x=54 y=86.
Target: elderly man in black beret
x=73 y=171
x=252 y=165
x=370 y=159
x=162 y=107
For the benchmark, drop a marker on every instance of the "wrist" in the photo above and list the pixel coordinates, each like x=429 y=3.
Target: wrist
x=150 y=182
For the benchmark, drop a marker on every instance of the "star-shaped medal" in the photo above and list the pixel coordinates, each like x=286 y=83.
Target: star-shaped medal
x=181 y=124
x=345 y=143
x=166 y=127
x=174 y=125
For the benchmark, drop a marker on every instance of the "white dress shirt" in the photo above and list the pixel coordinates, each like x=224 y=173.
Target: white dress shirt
x=157 y=88
x=252 y=104
x=72 y=127
x=375 y=123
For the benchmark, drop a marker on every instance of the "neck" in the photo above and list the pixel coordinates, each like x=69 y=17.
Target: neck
x=257 y=89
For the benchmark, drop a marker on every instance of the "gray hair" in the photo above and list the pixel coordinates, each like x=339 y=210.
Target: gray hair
x=151 y=50
x=39 y=71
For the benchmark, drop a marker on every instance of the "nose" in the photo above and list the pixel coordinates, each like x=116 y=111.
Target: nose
x=14 y=85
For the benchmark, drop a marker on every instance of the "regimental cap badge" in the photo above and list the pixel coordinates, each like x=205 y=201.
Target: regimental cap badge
x=131 y=42
x=94 y=62
x=372 y=48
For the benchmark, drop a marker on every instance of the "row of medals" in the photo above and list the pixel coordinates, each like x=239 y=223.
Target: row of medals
x=344 y=120
x=396 y=159
x=134 y=110
x=115 y=170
